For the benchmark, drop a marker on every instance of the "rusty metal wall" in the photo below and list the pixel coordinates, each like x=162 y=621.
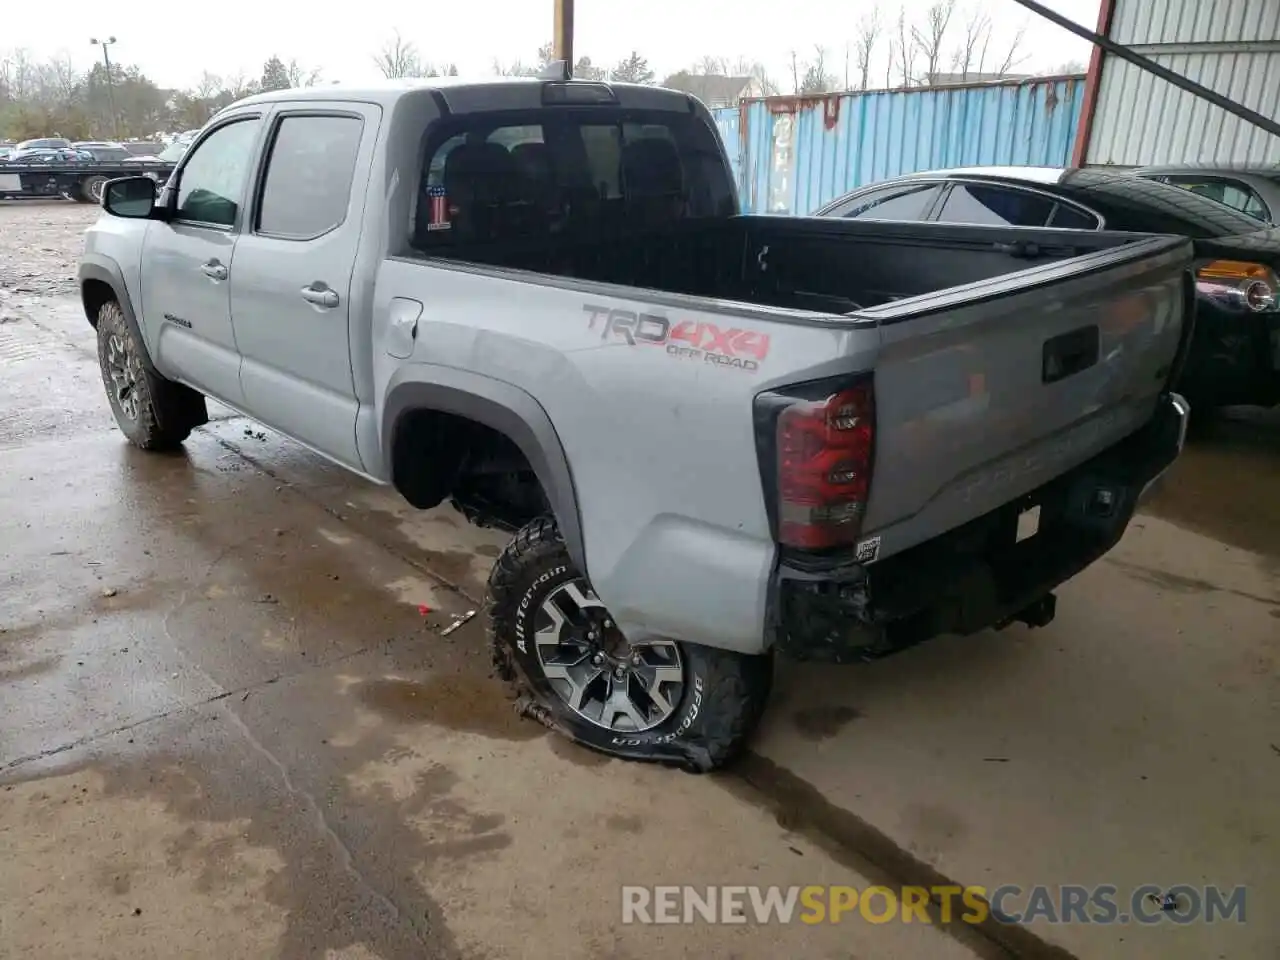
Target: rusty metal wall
x=793 y=154
x=1230 y=46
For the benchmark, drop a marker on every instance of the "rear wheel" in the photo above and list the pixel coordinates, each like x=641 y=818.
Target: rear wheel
x=145 y=411
x=660 y=700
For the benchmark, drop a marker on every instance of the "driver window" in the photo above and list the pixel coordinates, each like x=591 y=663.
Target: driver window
x=212 y=181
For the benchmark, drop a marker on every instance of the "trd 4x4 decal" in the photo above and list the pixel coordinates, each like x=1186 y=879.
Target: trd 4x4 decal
x=688 y=339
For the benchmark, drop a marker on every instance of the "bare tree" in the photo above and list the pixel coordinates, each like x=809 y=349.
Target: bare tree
x=399 y=58
x=713 y=67
x=209 y=85
x=930 y=39
x=795 y=72
x=906 y=50
x=816 y=79
x=300 y=76
x=1012 y=58
x=970 y=56
x=869 y=29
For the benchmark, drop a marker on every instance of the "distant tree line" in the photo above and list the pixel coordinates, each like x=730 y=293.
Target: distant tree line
x=947 y=43
x=52 y=98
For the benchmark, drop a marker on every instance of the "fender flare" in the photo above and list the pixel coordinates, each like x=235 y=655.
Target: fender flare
x=499 y=406
x=106 y=270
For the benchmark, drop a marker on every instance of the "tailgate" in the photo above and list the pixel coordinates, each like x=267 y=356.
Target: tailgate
x=986 y=391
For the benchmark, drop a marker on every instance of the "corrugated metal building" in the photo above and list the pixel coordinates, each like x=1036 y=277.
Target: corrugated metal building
x=793 y=154
x=1133 y=118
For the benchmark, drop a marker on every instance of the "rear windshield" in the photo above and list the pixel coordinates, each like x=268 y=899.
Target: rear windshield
x=489 y=178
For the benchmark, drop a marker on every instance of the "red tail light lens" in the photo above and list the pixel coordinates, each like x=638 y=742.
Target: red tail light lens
x=824 y=460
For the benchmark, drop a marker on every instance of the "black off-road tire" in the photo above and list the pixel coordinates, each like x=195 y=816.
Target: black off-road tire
x=165 y=412
x=724 y=692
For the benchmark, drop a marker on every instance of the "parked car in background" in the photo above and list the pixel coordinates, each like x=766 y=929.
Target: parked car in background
x=50 y=155
x=5 y=150
x=1254 y=191
x=103 y=150
x=44 y=143
x=1235 y=351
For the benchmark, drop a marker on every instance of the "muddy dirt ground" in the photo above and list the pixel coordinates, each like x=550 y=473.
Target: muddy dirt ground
x=227 y=730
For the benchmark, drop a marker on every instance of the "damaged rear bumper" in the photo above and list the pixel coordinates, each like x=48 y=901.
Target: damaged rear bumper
x=979 y=575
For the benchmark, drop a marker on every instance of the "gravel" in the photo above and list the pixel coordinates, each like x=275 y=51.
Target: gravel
x=40 y=244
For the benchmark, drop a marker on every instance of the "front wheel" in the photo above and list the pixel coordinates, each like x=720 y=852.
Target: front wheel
x=557 y=646
x=146 y=413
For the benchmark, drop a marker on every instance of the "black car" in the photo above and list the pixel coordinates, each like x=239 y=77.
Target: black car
x=1235 y=353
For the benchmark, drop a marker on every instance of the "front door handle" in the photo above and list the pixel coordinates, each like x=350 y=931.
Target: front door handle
x=214 y=270
x=320 y=295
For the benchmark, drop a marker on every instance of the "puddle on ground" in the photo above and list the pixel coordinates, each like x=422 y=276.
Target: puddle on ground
x=468 y=704
x=820 y=723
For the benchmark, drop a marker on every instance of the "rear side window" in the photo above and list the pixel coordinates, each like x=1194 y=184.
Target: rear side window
x=543 y=173
x=995 y=206
x=1234 y=193
x=891 y=203
x=1071 y=218
x=308 y=180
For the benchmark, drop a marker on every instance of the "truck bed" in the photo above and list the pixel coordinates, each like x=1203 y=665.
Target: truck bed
x=795 y=263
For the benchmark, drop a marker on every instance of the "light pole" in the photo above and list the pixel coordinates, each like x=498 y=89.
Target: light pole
x=111 y=95
x=562 y=36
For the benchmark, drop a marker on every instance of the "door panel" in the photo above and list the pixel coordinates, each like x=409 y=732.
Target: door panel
x=290 y=296
x=188 y=313
x=186 y=302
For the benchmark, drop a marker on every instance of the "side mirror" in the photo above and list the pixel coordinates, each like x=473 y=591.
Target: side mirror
x=133 y=198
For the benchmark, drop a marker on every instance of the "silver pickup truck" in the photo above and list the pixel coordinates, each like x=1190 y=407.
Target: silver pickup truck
x=714 y=437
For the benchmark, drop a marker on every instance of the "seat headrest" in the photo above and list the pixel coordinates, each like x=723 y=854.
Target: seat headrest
x=483 y=172
x=651 y=167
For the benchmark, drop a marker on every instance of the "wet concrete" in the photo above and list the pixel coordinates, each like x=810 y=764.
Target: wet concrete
x=227 y=729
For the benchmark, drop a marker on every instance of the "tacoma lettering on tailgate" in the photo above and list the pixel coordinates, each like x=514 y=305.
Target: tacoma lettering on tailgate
x=689 y=340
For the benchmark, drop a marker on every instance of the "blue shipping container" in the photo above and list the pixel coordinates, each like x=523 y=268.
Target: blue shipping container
x=793 y=154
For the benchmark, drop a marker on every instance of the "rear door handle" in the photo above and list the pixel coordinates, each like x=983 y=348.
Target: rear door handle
x=320 y=295
x=214 y=270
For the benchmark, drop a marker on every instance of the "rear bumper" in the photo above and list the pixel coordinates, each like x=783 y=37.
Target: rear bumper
x=978 y=575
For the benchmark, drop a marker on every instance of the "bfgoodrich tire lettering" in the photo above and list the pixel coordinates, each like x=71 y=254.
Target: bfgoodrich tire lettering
x=722 y=694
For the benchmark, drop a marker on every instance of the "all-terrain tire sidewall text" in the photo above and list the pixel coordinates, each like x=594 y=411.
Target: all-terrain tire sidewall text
x=724 y=692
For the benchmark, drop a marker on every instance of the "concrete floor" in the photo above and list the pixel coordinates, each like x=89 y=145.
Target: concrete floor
x=226 y=730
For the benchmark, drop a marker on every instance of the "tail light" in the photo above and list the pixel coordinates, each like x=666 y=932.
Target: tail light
x=1240 y=285
x=816 y=443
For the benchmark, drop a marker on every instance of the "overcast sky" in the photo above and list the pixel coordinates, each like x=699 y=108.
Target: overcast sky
x=233 y=36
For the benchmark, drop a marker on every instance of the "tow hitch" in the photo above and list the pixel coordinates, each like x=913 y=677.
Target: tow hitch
x=1038 y=613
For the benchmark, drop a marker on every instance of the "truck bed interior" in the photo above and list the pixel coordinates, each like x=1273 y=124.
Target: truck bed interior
x=823 y=265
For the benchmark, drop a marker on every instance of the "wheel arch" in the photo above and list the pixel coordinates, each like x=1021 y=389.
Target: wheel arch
x=501 y=407
x=101 y=280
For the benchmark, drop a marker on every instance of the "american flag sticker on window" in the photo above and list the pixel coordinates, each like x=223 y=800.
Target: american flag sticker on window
x=438 y=214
